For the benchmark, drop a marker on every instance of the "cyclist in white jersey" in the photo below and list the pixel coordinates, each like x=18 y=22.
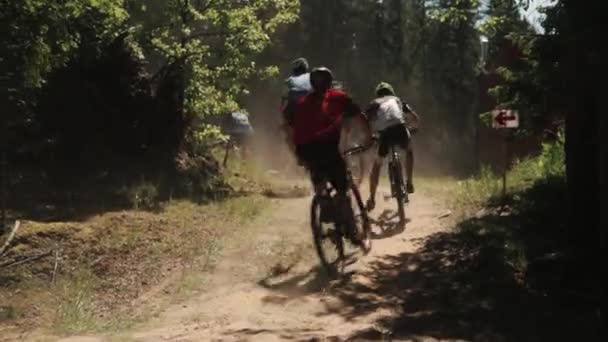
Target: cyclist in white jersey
x=387 y=115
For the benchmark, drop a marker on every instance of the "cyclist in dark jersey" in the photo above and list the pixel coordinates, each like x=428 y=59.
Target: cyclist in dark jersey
x=317 y=122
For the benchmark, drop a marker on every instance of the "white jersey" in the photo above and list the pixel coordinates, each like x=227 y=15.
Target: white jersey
x=389 y=113
x=298 y=86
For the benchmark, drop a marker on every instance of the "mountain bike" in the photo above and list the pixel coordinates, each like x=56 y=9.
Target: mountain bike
x=395 y=174
x=329 y=226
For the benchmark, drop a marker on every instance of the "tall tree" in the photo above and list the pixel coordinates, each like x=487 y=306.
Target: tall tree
x=555 y=81
x=450 y=74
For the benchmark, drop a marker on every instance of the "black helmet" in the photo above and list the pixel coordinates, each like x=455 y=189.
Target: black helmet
x=300 y=65
x=323 y=71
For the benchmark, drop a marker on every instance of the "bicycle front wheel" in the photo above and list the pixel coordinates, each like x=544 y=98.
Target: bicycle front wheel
x=327 y=237
x=362 y=223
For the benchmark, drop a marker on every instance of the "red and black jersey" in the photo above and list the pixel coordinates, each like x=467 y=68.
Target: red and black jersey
x=318 y=117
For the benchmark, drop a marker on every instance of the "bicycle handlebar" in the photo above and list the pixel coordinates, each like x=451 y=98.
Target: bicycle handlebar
x=356 y=149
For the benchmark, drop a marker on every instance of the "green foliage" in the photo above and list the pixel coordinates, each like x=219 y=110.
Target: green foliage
x=212 y=43
x=199 y=177
x=528 y=83
x=40 y=35
x=454 y=13
x=502 y=19
x=91 y=82
x=476 y=191
x=550 y=163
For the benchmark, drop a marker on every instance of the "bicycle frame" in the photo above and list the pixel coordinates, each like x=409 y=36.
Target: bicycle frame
x=353 y=188
x=344 y=227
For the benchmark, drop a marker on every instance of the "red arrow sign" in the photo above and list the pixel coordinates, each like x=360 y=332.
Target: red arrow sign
x=503 y=117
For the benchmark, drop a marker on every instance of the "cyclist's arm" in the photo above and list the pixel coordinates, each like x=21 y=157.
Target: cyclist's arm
x=407 y=109
x=354 y=115
x=367 y=128
x=411 y=111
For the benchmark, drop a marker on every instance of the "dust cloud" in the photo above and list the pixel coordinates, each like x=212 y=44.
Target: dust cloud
x=438 y=152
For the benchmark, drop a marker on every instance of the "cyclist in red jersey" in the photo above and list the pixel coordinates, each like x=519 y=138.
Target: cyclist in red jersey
x=318 y=121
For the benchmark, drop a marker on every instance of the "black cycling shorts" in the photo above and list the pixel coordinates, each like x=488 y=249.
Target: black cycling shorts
x=324 y=163
x=396 y=135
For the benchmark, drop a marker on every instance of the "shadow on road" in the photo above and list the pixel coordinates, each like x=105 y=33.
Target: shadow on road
x=388 y=224
x=289 y=334
x=478 y=282
x=298 y=285
x=316 y=280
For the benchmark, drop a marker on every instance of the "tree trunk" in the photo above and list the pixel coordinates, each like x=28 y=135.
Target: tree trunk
x=603 y=150
x=582 y=139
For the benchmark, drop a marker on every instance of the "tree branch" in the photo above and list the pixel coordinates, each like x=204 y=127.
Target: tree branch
x=12 y=263
x=10 y=238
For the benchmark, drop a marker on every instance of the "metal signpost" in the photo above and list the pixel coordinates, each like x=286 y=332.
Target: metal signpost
x=505 y=119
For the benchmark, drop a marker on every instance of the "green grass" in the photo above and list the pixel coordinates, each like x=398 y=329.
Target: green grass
x=505 y=228
x=75 y=311
x=242 y=209
x=486 y=186
x=95 y=279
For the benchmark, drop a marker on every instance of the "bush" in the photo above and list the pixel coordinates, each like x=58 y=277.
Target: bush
x=199 y=176
x=143 y=195
x=550 y=163
x=478 y=189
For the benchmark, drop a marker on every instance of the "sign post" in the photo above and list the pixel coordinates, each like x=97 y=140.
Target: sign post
x=501 y=119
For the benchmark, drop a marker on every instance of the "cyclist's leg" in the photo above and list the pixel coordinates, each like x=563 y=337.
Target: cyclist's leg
x=409 y=170
x=310 y=159
x=403 y=138
x=337 y=174
x=241 y=141
x=334 y=167
x=409 y=161
x=374 y=178
x=228 y=147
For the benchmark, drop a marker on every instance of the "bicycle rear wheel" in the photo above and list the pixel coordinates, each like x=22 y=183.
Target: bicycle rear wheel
x=327 y=237
x=398 y=185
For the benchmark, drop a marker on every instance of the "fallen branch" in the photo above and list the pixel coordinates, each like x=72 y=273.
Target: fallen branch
x=56 y=265
x=23 y=261
x=10 y=238
x=444 y=215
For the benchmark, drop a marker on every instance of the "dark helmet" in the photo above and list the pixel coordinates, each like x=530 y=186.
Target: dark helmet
x=321 y=73
x=300 y=65
x=386 y=88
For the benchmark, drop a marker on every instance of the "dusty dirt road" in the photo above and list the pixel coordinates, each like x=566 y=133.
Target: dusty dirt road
x=296 y=301
x=267 y=285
